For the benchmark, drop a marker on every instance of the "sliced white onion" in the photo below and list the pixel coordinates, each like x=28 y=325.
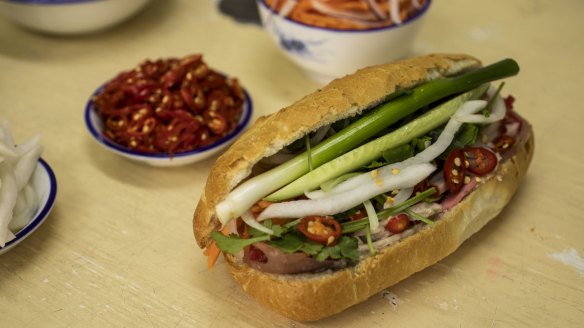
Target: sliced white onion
x=470 y=107
x=438 y=147
x=343 y=201
x=8 y=195
x=316 y=194
x=24 y=209
x=498 y=111
x=319 y=135
x=403 y=195
x=6 y=151
x=346 y=185
x=372 y=215
x=28 y=145
x=248 y=218
x=26 y=164
x=231 y=227
x=18 y=200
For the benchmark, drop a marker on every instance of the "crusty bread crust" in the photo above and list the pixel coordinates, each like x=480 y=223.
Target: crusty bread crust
x=342 y=98
x=309 y=297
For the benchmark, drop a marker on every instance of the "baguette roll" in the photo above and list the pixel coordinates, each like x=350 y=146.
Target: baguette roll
x=312 y=296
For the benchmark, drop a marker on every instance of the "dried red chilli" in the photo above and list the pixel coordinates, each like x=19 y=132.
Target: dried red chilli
x=169 y=106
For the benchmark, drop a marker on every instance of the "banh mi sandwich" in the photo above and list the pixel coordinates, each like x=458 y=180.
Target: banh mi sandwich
x=364 y=182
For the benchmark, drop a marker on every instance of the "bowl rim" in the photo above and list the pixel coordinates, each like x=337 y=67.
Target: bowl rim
x=411 y=19
x=98 y=136
x=50 y=2
x=35 y=222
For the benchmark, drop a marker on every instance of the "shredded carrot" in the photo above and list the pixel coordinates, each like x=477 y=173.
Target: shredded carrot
x=305 y=11
x=213 y=252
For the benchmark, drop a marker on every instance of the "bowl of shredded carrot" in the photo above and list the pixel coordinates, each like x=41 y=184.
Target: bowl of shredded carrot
x=168 y=112
x=330 y=38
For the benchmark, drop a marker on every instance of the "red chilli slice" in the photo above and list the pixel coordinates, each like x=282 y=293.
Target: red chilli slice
x=398 y=223
x=454 y=170
x=480 y=160
x=503 y=143
x=321 y=229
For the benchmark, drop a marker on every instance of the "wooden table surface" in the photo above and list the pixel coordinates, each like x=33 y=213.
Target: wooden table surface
x=118 y=248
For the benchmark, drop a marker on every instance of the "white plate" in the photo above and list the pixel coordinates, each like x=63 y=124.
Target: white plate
x=45 y=186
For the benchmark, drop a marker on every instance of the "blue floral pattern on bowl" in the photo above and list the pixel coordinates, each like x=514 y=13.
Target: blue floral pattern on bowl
x=310 y=49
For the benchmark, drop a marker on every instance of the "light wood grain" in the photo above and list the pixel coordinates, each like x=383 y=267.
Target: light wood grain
x=118 y=249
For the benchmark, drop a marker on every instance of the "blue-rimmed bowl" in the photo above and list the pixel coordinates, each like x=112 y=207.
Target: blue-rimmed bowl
x=95 y=125
x=69 y=16
x=326 y=53
x=44 y=184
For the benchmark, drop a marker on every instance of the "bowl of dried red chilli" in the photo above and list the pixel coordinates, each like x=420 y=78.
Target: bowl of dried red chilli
x=168 y=112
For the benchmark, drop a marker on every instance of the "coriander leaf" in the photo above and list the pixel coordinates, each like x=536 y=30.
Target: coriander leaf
x=311 y=248
x=278 y=230
x=466 y=135
x=374 y=165
x=291 y=224
x=398 y=154
x=253 y=232
x=294 y=242
x=420 y=143
x=333 y=252
x=345 y=248
x=343 y=216
x=348 y=246
x=289 y=243
x=233 y=244
x=380 y=199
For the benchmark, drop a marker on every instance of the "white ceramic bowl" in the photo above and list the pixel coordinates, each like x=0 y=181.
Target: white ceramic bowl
x=45 y=186
x=326 y=53
x=95 y=126
x=69 y=16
